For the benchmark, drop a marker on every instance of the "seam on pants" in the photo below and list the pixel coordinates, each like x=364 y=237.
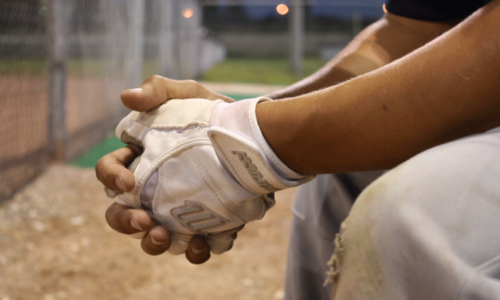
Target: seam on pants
x=311 y=224
x=493 y=261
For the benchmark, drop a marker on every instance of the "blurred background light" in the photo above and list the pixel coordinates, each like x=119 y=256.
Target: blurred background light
x=187 y=13
x=282 y=9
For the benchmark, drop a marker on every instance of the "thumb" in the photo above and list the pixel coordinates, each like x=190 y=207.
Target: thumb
x=157 y=89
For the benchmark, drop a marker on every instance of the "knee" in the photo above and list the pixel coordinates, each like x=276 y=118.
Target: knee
x=388 y=209
x=374 y=232
x=415 y=213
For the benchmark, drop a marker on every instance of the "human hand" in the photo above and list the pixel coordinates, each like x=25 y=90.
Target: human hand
x=112 y=172
x=190 y=176
x=157 y=89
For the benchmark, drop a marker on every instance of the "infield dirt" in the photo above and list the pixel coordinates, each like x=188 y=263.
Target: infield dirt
x=56 y=244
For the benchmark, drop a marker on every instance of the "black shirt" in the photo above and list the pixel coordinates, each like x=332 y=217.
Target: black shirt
x=434 y=10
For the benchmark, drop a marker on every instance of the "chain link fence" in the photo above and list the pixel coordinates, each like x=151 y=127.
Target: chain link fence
x=63 y=64
x=23 y=93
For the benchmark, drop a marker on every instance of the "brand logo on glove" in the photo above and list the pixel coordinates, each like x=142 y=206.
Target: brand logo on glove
x=253 y=171
x=197 y=217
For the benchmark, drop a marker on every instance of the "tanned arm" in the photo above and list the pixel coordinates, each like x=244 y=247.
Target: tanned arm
x=448 y=88
x=382 y=42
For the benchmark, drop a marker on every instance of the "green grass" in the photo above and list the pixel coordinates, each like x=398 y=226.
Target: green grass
x=89 y=159
x=249 y=70
x=259 y=70
x=238 y=97
x=19 y=66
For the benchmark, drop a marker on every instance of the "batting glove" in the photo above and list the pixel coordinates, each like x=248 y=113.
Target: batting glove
x=205 y=169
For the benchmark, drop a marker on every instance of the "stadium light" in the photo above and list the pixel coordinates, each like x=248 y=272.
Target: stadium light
x=187 y=13
x=282 y=9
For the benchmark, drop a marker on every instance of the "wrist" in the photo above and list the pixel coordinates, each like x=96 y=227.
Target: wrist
x=236 y=135
x=241 y=119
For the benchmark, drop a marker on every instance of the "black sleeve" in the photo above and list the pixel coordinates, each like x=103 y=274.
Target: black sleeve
x=434 y=10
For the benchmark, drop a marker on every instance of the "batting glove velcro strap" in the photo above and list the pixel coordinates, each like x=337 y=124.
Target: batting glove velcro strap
x=240 y=144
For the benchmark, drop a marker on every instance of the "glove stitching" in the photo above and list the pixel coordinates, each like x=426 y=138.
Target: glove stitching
x=152 y=125
x=226 y=197
x=156 y=204
x=201 y=124
x=204 y=175
x=227 y=204
x=186 y=133
x=162 y=159
x=157 y=118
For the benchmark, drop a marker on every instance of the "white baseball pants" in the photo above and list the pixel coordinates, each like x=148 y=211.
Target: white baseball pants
x=428 y=229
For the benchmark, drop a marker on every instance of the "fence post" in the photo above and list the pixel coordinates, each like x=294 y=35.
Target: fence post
x=189 y=40
x=57 y=56
x=296 y=24
x=166 y=39
x=135 y=46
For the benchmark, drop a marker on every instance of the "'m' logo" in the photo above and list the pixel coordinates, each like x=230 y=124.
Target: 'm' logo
x=197 y=217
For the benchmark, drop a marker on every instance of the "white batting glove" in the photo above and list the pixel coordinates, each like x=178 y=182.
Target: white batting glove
x=205 y=169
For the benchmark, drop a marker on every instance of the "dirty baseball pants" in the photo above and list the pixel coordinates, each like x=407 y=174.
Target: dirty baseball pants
x=428 y=229
x=319 y=208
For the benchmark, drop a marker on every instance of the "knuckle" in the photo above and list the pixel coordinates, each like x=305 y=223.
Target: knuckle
x=100 y=163
x=191 y=82
x=113 y=156
x=157 y=79
x=196 y=86
x=152 y=78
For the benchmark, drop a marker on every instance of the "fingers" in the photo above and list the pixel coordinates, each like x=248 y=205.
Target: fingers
x=198 y=251
x=111 y=170
x=156 y=241
x=223 y=241
x=137 y=222
x=128 y=220
x=157 y=89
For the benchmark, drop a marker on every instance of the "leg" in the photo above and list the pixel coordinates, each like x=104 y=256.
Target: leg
x=429 y=229
x=319 y=208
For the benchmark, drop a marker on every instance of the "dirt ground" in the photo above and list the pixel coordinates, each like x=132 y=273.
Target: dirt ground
x=55 y=244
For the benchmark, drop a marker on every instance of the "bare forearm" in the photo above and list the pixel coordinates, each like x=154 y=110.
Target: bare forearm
x=445 y=90
x=379 y=44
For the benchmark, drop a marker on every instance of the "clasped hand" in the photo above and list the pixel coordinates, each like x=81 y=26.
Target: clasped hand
x=112 y=172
